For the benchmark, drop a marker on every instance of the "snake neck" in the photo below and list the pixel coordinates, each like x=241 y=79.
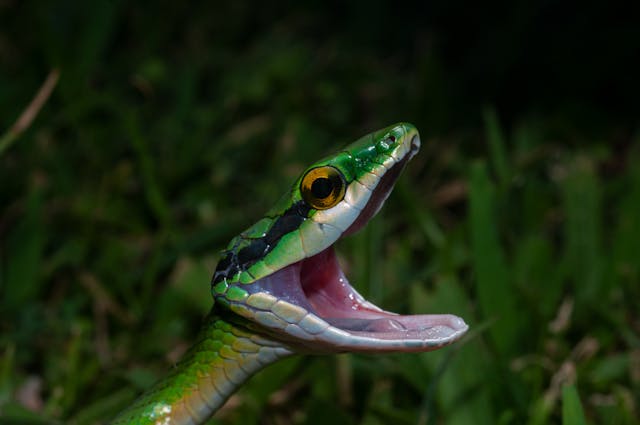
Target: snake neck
x=224 y=357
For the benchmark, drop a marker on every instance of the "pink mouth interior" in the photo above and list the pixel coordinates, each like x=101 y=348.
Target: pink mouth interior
x=331 y=297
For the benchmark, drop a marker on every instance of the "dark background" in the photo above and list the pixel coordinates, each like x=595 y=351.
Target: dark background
x=173 y=126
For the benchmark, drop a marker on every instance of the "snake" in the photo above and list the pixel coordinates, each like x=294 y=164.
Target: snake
x=279 y=289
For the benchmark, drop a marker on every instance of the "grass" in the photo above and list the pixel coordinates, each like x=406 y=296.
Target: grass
x=161 y=142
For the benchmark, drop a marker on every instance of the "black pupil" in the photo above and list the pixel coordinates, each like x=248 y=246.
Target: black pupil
x=321 y=187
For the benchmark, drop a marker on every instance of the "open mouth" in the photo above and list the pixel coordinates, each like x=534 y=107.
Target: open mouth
x=334 y=300
x=320 y=309
x=315 y=306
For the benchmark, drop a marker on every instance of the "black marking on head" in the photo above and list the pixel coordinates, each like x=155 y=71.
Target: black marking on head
x=237 y=260
x=225 y=262
x=252 y=252
x=217 y=277
x=289 y=221
x=226 y=267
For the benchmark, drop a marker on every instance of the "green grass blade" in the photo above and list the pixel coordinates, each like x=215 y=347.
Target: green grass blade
x=21 y=282
x=582 y=199
x=626 y=240
x=152 y=189
x=457 y=375
x=572 y=413
x=495 y=291
x=496 y=141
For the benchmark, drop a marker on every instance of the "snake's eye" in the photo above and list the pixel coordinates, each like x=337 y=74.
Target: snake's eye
x=322 y=187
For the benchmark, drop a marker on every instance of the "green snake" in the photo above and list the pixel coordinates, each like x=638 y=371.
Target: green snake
x=279 y=290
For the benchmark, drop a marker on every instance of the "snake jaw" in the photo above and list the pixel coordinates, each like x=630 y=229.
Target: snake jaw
x=369 y=327
x=282 y=274
x=311 y=306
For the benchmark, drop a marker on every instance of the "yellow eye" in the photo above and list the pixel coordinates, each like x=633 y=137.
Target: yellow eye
x=322 y=187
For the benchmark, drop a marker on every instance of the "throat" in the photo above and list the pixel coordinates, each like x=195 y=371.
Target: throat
x=225 y=356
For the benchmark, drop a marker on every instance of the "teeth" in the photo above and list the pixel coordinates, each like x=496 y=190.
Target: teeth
x=364 y=302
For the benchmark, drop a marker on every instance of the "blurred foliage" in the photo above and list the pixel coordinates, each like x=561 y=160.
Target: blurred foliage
x=174 y=125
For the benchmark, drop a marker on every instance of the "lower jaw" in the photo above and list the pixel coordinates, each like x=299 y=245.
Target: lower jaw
x=325 y=291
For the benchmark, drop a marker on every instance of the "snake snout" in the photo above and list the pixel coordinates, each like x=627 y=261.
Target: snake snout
x=415 y=144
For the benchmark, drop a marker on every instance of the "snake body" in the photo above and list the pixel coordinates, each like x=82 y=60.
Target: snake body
x=279 y=290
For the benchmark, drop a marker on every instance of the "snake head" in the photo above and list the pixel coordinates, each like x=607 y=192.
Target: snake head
x=280 y=277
